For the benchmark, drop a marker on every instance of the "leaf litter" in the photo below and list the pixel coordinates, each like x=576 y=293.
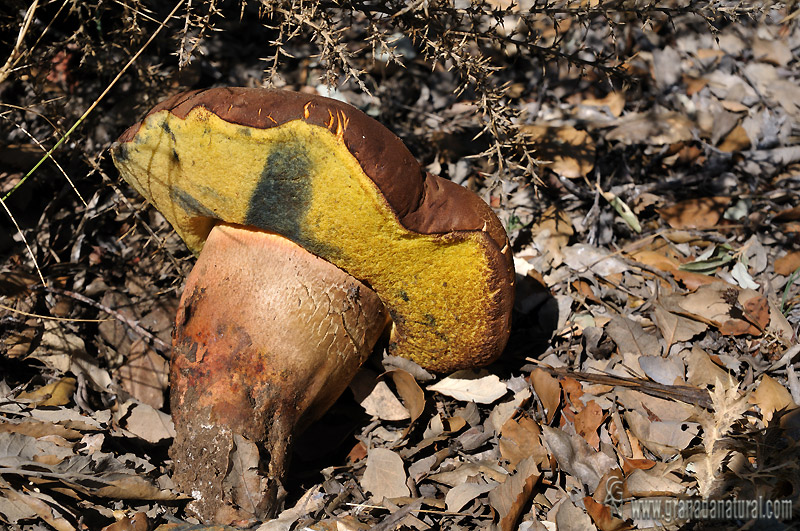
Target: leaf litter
x=668 y=367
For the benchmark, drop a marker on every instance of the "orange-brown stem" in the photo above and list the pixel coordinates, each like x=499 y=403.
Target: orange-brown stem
x=267 y=337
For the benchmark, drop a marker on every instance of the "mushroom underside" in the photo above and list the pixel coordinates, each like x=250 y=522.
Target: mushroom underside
x=267 y=337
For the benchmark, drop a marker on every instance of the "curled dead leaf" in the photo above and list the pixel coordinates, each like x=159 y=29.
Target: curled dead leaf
x=548 y=390
x=410 y=392
x=376 y=398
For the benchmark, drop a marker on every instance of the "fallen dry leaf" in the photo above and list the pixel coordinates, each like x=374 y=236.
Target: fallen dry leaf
x=736 y=140
x=702 y=213
x=719 y=304
x=385 y=475
x=574 y=392
x=614 y=100
x=789 y=214
x=788 y=263
x=98 y=475
x=461 y=474
x=779 y=325
x=739 y=327
x=243 y=480
x=551 y=234
x=663 y=438
x=657 y=259
x=756 y=308
x=701 y=371
x=145 y=375
x=310 y=502
x=631 y=337
x=709 y=302
x=654 y=128
x=137 y=522
x=571 y=518
x=675 y=328
x=587 y=421
x=645 y=483
x=66 y=352
x=18 y=343
x=58 y=393
x=734 y=106
x=691 y=280
x=567 y=151
x=510 y=497
x=19 y=451
x=548 y=390
x=629 y=465
x=12 y=505
x=611 y=486
x=772 y=51
x=655 y=408
x=519 y=439
x=376 y=398
x=14 y=284
x=38 y=507
x=142 y=421
x=469 y=386
x=36 y=428
x=667 y=371
x=601 y=516
x=357 y=453
x=693 y=84
x=462 y=494
x=410 y=392
x=770 y=396
x=507 y=409
x=575 y=456
x=582 y=257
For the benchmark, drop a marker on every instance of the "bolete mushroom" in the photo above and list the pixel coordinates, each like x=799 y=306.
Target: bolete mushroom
x=314 y=227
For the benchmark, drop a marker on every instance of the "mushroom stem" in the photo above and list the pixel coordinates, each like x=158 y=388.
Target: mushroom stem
x=267 y=337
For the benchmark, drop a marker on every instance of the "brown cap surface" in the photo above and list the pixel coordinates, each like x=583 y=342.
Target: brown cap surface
x=325 y=175
x=426 y=204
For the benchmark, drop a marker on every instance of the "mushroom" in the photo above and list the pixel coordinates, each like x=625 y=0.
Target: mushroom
x=314 y=226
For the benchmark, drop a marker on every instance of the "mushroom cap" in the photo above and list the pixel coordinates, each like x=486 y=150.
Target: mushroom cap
x=326 y=176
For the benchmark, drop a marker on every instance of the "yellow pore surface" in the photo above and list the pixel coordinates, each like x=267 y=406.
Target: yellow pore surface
x=435 y=286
